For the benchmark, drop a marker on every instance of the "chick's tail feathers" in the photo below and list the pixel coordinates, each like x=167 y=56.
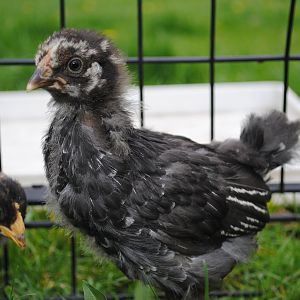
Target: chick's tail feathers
x=273 y=137
x=266 y=142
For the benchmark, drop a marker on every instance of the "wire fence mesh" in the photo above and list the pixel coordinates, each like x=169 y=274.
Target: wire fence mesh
x=35 y=194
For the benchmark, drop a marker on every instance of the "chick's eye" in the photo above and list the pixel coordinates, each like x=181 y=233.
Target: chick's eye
x=75 y=65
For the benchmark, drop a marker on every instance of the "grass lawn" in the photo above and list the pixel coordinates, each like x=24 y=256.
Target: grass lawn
x=43 y=268
x=171 y=28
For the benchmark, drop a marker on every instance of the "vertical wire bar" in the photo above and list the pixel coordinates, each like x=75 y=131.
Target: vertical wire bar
x=5 y=246
x=5 y=265
x=212 y=65
x=287 y=52
x=73 y=265
x=286 y=71
x=140 y=59
x=0 y=150
x=62 y=16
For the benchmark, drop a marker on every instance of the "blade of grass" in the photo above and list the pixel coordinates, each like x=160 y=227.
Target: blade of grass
x=144 y=292
x=90 y=293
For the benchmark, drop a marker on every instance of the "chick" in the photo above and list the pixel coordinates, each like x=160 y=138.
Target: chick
x=164 y=208
x=12 y=211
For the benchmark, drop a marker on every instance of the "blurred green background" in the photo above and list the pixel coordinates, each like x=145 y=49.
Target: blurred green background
x=171 y=28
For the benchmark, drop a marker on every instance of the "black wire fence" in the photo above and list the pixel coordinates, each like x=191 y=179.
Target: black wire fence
x=35 y=194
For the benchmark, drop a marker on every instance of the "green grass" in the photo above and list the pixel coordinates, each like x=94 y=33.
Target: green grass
x=43 y=268
x=170 y=28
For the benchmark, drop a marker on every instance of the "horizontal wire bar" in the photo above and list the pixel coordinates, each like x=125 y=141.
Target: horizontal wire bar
x=287 y=188
x=174 y=59
x=284 y=218
x=39 y=224
x=36 y=194
x=16 y=61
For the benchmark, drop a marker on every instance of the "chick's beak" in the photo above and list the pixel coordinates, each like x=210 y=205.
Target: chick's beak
x=16 y=231
x=39 y=79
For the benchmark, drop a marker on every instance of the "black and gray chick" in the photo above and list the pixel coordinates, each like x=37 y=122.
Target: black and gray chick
x=13 y=205
x=162 y=207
